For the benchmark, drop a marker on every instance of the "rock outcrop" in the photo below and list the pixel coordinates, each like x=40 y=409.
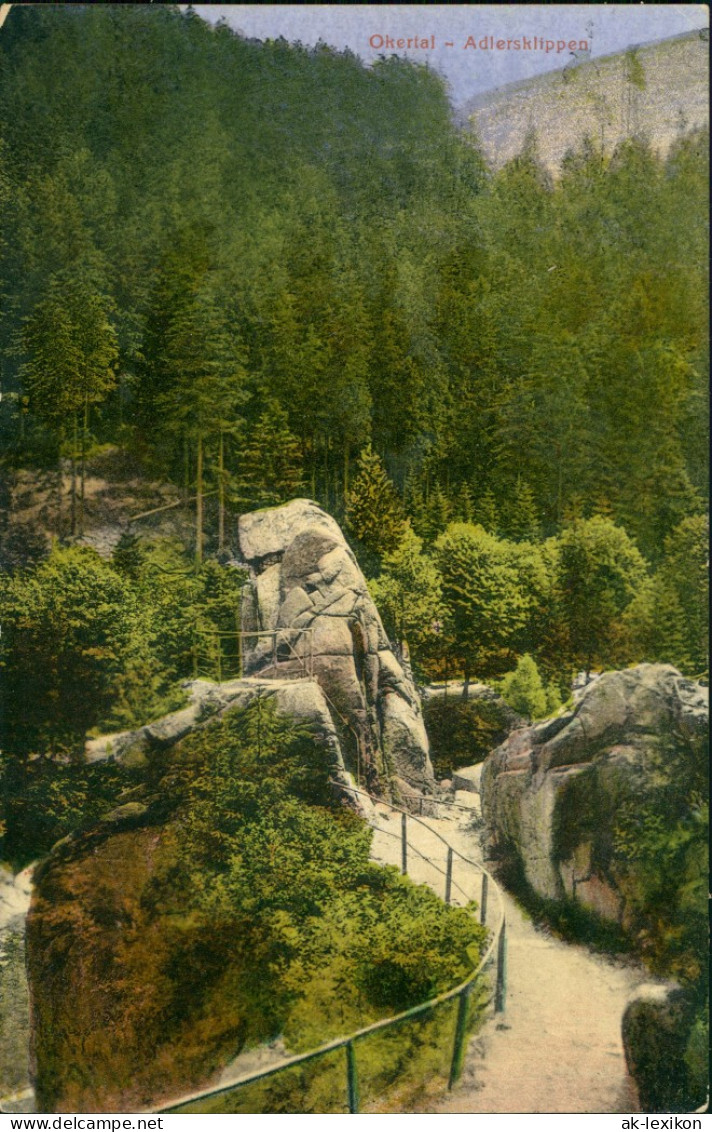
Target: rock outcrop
x=551 y=794
x=298 y=699
x=656 y=1031
x=308 y=613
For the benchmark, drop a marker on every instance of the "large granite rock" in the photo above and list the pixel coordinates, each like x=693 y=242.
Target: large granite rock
x=551 y=793
x=298 y=699
x=308 y=612
x=656 y=1032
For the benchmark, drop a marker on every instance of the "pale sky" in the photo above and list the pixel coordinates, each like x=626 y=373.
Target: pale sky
x=468 y=70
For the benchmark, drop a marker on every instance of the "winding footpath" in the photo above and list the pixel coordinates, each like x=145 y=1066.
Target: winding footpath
x=558 y=1047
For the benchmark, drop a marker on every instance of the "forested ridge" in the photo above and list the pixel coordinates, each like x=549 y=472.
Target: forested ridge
x=265 y=270
x=273 y=249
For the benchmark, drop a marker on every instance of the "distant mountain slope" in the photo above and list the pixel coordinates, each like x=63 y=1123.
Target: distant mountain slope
x=657 y=90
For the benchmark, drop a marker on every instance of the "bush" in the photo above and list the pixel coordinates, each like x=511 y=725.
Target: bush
x=463 y=732
x=523 y=690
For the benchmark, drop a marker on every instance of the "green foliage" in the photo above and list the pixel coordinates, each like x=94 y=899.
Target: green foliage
x=247 y=253
x=50 y=800
x=553 y=698
x=407 y=595
x=697 y=1055
x=483 y=596
x=319 y=940
x=463 y=732
x=71 y=349
x=663 y=875
x=522 y=517
x=523 y=689
x=90 y=646
x=599 y=571
x=374 y=512
x=684 y=572
x=72 y=628
x=270 y=462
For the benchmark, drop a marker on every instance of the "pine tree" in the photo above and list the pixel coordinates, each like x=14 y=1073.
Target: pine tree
x=71 y=351
x=200 y=363
x=437 y=512
x=522 y=516
x=374 y=511
x=464 y=505
x=486 y=513
x=270 y=462
x=407 y=593
x=523 y=689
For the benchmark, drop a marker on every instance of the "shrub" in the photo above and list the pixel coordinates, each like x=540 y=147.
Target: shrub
x=523 y=689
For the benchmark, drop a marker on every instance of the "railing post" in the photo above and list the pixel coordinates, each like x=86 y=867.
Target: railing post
x=483 y=901
x=404 y=845
x=500 y=997
x=458 y=1049
x=352 y=1077
x=448 y=876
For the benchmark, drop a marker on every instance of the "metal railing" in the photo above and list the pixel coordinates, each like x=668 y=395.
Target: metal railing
x=221 y=654
x=457 y=888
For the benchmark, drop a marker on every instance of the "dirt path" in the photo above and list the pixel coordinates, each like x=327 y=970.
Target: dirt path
x=15 y=894
x=558 y=1046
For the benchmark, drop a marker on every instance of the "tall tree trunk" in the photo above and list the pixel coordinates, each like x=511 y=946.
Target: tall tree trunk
x=73 y=512
x=313 y=468
x=199 y=502
x=346 y=472
x=221 y=493
x=466 y=685
x=60 y=481
x=82 y=465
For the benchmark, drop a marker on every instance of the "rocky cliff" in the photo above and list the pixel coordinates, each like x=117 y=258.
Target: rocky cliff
x=553 y=795
x=657 y=90
x=307 y=612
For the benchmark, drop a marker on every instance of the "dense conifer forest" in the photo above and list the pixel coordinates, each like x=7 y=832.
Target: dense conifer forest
x=264 y=270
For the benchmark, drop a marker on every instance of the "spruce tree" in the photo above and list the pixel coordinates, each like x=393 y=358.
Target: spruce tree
x=522 y=519
x=523 y=689
x=269 y=463
x=374 y=512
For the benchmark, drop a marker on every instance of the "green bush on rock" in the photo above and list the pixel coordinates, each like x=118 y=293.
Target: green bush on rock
x=251 y=911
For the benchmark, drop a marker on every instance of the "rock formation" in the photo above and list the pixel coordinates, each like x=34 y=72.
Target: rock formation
x=656 y=1030
x=308 y=612
x=551 y=793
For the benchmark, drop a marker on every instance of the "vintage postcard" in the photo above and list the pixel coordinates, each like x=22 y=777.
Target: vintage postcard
x=354 y=375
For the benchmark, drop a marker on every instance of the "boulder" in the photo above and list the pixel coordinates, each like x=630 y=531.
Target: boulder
x=551 y=793
x=468 y=778
x=656 y=1029
x=300 y=699
x=308 y=613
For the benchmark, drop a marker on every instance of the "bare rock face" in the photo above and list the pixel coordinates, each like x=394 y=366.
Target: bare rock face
x=298 y=699
x=552 y=793
x=308 y=612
